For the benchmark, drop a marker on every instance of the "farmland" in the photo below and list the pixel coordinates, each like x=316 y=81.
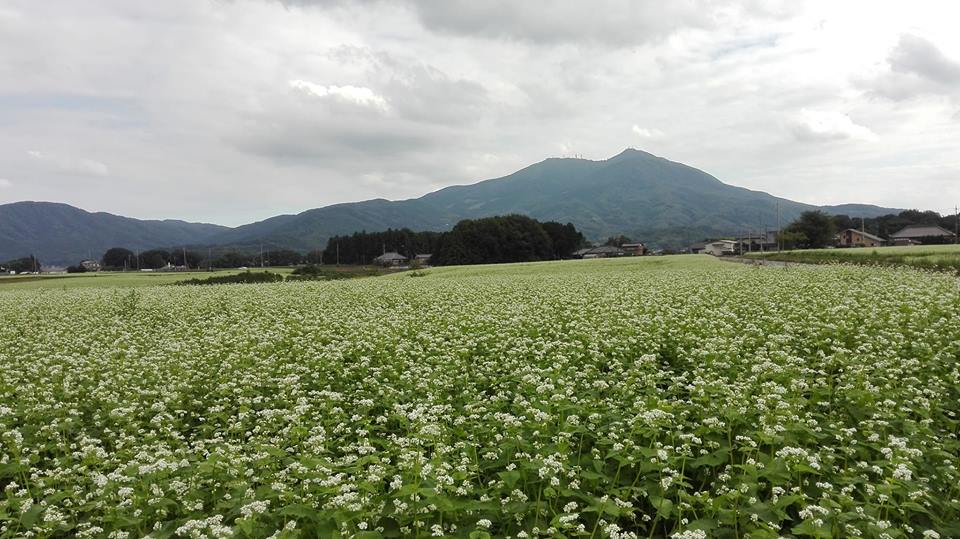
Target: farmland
x=656 y=397
x=932 y=257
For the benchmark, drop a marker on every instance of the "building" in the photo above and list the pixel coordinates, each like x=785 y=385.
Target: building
x=698 y=247
x=721 y=248
x=604 y=251
x=90 y=265
x=634 y=249
x=904 y=241
x=766 y=241
x=923 y=234
x=390 y=259
x=423 y=260
x=852 y=237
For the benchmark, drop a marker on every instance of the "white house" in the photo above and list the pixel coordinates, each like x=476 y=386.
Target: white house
x=720 y=248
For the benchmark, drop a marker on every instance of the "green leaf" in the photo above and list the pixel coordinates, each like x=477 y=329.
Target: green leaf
x=663 y=506
x=29 y=518
x=300 y=510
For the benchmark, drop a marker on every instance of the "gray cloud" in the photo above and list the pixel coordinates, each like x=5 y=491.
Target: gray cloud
x=276 y=106
x=917 y=67
x=918 y=56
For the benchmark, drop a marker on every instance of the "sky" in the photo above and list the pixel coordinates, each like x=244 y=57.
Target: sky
x=232 y=111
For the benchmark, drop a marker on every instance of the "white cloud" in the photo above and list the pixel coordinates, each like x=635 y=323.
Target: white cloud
x=4 y=183
x=83 y=166
x=822 y=125
x=148 y=100
x=357 y=95
x=648 y=133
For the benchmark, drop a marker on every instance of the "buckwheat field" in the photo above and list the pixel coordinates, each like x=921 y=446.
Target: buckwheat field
x=657 y=397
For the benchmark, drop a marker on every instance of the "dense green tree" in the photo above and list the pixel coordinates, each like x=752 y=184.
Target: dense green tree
x=617 y=241
x=817 y=228
x=282 y=257
x=510 y=238
x=193 y=258
x=565 y=239
x=234 y=259
x=118 y=258
x=19 y=265
x=154 y=259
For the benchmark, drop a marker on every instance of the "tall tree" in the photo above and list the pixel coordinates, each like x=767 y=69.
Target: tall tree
x=816 y=227
x=118 y=258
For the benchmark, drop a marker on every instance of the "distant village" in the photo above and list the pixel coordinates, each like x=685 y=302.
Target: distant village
x=850 y=237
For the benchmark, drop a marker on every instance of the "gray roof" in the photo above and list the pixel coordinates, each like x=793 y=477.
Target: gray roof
x=385 y=257
x=921 y=231
x=864 y=234
x=605 y=249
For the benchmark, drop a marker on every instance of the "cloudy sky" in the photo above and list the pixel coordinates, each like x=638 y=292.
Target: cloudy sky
x=230 y=111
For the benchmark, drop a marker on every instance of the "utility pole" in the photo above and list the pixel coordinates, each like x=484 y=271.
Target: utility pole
x=779 y=230
x=261 y=256
x=338 y=253
x=185 y=265
x=956 y=227
x=209 y=260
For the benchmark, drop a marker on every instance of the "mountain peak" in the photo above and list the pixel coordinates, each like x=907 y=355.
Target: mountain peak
x=631 y=152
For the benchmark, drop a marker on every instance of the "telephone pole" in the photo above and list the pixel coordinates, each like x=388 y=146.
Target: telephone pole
x=956 y=226
x=779 y=230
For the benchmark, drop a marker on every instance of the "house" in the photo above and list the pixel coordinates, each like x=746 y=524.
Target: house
x=423 y=260
x=604 y=251
x=90 y=265
x=923 y=234
x=852 y=237
x=634 y=249
x=904 y=241
x=390 y=259
x=721 y=248
x=766 y=241
x=697 y=248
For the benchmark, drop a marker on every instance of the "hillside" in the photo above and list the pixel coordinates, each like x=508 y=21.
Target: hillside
x=649 y=198
x=646 y=197
x=60 y=234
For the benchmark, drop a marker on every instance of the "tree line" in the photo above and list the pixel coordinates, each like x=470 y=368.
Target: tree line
x=489 y=240
x=118 y=258
x=817 y=229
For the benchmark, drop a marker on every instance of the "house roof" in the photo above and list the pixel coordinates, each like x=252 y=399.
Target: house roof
x=604 y=249
x=865 y=234
x=424 y=255
x=920 y=231
x=390 y=256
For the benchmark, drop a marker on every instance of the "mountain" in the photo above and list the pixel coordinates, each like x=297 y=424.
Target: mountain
x=59 y=234
x=648 y=198
x=635 y=193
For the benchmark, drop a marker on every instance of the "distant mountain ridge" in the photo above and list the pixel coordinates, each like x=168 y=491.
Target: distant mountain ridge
x=62 y=234
x=645 y=197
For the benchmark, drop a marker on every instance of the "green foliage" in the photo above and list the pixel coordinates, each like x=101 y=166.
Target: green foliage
x=24 y=264
x=314 y=272
x=648 y=397
x=247 y=277
x=118 y=258
x=813 y=230
x=927 y=257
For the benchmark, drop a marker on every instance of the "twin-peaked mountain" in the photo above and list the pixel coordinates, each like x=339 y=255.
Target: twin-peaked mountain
x=645 y=197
